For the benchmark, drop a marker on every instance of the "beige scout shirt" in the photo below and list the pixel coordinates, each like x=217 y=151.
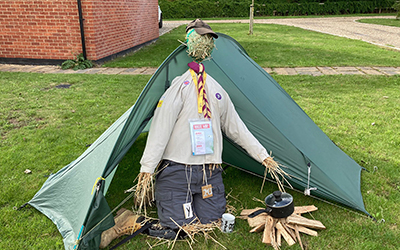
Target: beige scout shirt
x=169 y=135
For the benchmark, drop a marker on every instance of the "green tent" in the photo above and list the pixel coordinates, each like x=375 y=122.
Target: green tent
x=77 y=206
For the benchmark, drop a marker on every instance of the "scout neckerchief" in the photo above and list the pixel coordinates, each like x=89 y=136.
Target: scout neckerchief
x=203 y=107
x=199 y=78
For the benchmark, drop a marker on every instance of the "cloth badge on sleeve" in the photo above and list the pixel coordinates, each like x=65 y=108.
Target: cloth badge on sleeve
x=160 y=102
x=186 y=82
x=218 y=95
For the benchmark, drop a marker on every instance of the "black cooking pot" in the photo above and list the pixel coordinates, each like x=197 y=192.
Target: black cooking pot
x=279 y=205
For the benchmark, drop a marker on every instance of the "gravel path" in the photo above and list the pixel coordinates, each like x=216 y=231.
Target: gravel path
x=348 y=27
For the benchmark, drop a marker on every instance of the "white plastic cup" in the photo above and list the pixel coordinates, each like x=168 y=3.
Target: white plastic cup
x=227 y=223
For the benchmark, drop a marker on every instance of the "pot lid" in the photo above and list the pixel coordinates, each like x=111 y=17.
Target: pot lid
x=278 y=199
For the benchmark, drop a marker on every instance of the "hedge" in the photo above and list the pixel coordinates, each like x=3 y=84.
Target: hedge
x=236 y=8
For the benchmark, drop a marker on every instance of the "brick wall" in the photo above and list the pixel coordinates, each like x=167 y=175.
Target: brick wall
x=117 y=25
x=49 y=29
x=39 y=29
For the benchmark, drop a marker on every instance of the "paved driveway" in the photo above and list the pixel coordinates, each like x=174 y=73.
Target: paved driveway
x=381 y=35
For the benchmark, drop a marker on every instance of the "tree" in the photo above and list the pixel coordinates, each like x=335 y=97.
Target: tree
x=396 y=6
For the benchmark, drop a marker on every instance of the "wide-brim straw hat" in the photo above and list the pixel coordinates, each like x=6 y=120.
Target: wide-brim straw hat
x=201 y=28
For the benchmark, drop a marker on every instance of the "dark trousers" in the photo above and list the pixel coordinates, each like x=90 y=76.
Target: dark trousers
x=178 y=184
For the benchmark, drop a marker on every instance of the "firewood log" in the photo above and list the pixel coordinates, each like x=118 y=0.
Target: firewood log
x=298 y=236
x=258 y=228
x=303 y=230
x=278 y=237
x=302 y=221
x=305 y=209
x=268 y=229
x=259 y=219
x=285 y=234
x=246 y=212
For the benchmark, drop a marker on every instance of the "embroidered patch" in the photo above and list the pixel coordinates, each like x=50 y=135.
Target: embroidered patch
x=186 y=82
x=160 y=103
x=218 y=95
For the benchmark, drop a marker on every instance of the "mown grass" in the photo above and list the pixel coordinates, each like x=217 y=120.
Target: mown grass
x=275 y=46
x=43 y=128
x=281 y=17
x=381 y=21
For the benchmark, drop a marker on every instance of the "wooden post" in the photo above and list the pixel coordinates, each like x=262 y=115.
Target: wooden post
x=251 y=17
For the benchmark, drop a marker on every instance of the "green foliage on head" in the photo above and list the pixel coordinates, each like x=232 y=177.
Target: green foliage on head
x=199 y=47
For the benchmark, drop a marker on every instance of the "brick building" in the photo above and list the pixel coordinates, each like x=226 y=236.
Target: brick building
x=52 y=31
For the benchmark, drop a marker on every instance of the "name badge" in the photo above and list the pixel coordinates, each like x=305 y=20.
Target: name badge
x=201 y=136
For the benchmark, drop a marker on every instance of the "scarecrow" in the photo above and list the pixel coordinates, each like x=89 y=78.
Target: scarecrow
x=184 y=144
x=185 y=141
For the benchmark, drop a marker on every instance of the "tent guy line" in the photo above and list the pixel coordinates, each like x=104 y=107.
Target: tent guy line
x=310 y=195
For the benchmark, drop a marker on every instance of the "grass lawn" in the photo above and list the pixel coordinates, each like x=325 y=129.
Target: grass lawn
x=43 y=128
x=380 y=21
x=275 y=46
x=281 y=17
x=309 y=16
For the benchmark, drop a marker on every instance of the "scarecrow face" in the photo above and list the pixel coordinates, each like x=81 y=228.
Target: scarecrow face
x=199 y=47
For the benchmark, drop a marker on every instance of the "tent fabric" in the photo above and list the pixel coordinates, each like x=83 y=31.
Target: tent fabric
x=268 y=111
x=66 y=196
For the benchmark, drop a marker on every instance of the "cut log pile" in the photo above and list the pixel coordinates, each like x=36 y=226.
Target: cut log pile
x=289 y=228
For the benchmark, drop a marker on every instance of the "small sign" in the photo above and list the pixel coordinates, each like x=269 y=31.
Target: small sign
x=187 y=209
x=207 y=191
